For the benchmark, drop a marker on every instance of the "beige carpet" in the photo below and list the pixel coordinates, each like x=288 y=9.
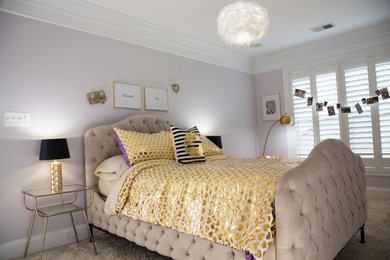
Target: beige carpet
x=377 y=244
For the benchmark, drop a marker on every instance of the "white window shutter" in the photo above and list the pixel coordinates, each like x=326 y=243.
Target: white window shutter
x=382 y=71
x=303 y=119
x=327 y=91
x=360 y=125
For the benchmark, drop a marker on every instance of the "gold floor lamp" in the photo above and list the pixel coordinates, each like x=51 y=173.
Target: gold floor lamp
x=284 y=120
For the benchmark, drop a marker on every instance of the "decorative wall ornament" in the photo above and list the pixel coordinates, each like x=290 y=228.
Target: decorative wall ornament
x=127 y=95
x=96 y=97
x=242 y=23
x=175 y=87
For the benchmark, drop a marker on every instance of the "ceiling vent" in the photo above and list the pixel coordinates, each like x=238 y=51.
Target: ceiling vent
x=322 y=27
x=257 y=45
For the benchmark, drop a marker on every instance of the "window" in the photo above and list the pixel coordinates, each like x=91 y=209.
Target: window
x=382 y=71
x=345 y=83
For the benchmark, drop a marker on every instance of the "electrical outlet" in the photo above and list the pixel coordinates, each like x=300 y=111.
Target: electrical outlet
x=17 y=119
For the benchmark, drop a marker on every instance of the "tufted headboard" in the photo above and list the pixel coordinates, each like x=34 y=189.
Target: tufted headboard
x=100 y=141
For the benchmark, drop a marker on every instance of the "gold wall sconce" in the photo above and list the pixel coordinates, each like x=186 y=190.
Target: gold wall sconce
x=96 y=97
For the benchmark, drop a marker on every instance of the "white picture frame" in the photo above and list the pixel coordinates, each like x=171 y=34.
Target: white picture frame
x=271 y=107
x=156 y=98
x=127 y=95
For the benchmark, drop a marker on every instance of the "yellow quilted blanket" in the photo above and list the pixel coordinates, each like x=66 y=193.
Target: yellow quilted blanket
x=227 y=201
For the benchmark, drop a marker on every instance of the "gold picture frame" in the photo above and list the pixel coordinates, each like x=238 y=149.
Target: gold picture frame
x=271 y=107
x=156 y=98
x=127 y=95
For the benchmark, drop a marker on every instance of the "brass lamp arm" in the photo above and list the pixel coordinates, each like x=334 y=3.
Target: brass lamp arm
x=266 y=139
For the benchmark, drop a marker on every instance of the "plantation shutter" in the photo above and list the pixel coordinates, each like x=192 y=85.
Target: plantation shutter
x=382 y=72
x=304 y=133
x=346 y=83
x=327 y=91
x=359 y=125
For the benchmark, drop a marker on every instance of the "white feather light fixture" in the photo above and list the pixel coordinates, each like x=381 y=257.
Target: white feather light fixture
x=242 y=23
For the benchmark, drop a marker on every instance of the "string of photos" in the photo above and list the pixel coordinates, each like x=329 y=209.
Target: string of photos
x=384 y=93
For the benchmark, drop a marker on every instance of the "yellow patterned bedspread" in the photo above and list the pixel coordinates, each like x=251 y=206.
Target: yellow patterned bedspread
x=227 y=201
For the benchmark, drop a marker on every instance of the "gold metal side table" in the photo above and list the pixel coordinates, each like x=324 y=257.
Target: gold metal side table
x=57 y=209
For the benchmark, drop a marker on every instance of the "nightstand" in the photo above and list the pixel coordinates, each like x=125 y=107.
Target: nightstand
x=57 y=209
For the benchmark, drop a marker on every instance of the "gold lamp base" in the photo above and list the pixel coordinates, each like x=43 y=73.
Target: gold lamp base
x=56 y=176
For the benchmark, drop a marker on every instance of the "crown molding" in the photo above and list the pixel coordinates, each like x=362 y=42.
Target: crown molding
x=364 y=41
x=86 y=17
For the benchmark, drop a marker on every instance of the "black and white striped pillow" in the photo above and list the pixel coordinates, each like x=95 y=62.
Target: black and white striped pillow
x=187 y=144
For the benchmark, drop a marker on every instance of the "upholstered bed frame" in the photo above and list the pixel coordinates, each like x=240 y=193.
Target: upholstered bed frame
x=319 y=205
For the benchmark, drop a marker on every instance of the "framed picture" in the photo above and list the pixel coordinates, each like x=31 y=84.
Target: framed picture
x=127 y=95
x=271 y=107
x=156 y=98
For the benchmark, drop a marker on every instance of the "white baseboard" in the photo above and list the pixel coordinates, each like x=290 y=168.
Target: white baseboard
x=378 y=193
x=53 y=239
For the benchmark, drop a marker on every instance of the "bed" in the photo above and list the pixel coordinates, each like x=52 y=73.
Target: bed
x=319 y=205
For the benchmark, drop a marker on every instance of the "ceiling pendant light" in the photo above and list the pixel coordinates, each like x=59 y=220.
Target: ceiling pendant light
x=242 y=23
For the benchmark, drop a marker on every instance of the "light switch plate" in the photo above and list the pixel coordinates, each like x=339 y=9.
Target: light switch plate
x=22 y=119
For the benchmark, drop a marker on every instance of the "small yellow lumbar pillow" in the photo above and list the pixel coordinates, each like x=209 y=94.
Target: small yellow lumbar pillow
x=138 y=147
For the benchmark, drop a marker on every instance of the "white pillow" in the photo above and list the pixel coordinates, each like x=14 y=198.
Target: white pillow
x=112 y=168
x=105 y=186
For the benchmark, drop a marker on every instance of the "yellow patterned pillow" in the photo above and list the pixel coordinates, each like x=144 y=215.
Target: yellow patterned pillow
x=210 y=148
x=138 y=147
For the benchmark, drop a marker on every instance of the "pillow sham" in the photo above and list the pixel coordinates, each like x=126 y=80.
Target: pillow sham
x=111 y=168
x=209 y=148
x=105 y=186
x=138 y=147
x=187 y=144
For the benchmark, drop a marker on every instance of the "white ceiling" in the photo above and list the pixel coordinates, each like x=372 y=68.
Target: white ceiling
x=188 y=27
x=290 y=21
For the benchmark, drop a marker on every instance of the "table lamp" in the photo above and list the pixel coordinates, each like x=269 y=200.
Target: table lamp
x=54 y=149
x=284 y=120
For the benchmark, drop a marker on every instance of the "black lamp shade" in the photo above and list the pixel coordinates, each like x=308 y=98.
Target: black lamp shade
x=53 y=149
x=216 y=139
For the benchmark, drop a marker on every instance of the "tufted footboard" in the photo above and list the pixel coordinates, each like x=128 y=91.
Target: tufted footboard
x=321 y=203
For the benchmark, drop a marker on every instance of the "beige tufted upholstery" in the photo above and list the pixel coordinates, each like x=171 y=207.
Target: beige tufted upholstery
x=319 y=205
x=157 y=238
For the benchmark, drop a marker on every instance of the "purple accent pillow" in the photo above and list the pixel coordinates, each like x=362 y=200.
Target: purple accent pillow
x=123 y=150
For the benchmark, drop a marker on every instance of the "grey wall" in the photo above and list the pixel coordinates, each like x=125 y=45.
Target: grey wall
x=47 y=70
